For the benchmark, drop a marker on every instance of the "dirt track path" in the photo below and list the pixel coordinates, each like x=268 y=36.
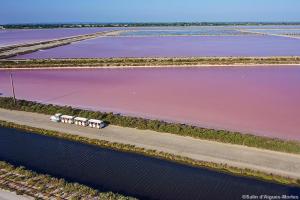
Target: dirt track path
x=234 y=155
x=6 y=195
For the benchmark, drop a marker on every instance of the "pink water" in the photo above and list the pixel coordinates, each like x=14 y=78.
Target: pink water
x=174 y=46
x=18 y=36
x=263 y=101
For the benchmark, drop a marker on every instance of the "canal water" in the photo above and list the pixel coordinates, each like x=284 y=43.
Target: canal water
x=127 y=173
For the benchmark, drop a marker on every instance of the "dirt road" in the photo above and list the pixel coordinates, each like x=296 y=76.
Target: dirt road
x=6 y=195
x=234 y=155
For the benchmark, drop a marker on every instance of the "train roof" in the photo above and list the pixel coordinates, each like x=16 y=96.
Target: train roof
x=67 y=117
x=81 y=119
x=95 y=121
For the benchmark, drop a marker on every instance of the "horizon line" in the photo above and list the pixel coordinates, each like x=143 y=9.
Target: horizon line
x=162 y=22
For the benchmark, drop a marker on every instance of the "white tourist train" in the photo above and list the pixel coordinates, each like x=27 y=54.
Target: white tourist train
x=80 y=121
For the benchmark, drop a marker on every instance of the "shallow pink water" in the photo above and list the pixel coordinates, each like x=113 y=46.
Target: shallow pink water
x=18 y=36
x=263 y=101
x=175 y=46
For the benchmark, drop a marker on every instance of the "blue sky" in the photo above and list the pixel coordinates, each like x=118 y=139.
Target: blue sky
x=50 y=11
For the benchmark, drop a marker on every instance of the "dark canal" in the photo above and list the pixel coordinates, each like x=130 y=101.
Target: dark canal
x=126 y=173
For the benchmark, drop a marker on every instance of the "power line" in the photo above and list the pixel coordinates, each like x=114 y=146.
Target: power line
x=13 y=87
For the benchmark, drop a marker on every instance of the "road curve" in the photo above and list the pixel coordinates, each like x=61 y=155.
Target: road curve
x=283 y=164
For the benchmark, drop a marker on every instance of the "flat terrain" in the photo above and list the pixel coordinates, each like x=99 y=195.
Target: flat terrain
x=233 y=155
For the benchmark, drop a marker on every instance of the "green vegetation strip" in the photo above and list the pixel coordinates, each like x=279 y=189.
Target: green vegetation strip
x=159 y=126
x=157 y=154
x=104 y=62
x=40 y=186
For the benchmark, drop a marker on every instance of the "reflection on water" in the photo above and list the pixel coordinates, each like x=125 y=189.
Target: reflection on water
x=132 y=174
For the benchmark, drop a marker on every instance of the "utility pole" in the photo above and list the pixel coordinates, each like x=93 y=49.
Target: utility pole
x=13 y=87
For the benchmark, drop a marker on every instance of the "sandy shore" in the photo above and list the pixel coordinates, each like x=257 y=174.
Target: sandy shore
x=283 y=164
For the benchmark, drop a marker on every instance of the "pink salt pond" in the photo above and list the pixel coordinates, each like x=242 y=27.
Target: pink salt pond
x=19 y=36
x=258 y=100
x=174 y=46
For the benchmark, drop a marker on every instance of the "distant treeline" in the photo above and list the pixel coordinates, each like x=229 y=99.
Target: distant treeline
x=157 y=125
x=81 y=25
